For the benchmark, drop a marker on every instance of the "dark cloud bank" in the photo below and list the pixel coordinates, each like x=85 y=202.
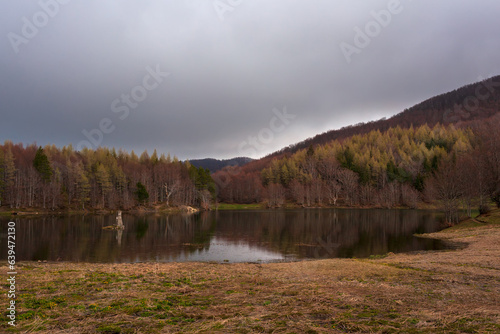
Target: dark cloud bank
x=214 y=78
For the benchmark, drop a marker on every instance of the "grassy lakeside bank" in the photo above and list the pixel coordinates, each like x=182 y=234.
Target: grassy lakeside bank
x=163 y=209
x=6 y=212
x=427 y=292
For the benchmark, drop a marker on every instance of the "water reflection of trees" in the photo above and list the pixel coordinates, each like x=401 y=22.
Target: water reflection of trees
x=328 y=233
x=304 y=233
x=81 y=238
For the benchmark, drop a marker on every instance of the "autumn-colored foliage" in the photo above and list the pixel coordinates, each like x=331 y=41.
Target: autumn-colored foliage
x=53 y=178
x=397 y=167
x=444 y=164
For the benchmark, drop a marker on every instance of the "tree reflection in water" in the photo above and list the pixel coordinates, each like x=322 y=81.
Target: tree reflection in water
x=261 y=235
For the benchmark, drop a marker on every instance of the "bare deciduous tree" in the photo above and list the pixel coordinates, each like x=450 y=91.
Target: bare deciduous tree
x=298 y=192
x=275 y=195
x=170 y=189
x=469 y=178
x=445 y=187
x=349 y=181
x=205 y=199
x=409 y=196
x=329 y=170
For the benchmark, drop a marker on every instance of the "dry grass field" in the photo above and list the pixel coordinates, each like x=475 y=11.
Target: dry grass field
x=454 y=291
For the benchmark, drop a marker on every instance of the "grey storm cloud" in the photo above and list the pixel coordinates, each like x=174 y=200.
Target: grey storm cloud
x=71 y=67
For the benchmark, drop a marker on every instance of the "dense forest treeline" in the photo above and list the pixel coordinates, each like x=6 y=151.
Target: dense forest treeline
x=53 y=178
x=449 y=165
x=399 y=167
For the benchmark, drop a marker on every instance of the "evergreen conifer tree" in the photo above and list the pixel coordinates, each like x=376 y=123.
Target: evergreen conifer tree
x=42 y=165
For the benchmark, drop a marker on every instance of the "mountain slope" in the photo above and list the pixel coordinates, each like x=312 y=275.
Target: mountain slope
x=475 y=101
x=214 y=165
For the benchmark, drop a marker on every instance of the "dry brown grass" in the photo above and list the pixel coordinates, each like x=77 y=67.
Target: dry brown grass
x=428 y=292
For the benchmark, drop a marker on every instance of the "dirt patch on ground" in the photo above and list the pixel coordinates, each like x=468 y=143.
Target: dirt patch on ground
x=430 y=292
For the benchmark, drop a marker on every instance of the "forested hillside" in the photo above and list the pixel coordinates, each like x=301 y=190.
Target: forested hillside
x=55 y=178
x=444 y=164
x=384 y=169
x=476 y=101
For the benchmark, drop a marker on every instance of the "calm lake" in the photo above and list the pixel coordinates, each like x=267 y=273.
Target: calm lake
x=224 y=236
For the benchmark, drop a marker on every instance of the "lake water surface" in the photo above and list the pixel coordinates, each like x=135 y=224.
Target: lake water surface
x=224 y=236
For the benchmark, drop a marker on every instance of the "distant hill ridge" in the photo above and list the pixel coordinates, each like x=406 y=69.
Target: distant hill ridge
x=214 y=164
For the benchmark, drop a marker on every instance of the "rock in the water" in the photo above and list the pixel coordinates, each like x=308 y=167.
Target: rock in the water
x=188 y=209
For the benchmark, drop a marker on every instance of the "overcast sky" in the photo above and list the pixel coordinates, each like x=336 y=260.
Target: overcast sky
x=229 y=78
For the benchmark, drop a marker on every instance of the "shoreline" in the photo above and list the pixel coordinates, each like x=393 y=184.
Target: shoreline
x=7 y=212
x=425 y=292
